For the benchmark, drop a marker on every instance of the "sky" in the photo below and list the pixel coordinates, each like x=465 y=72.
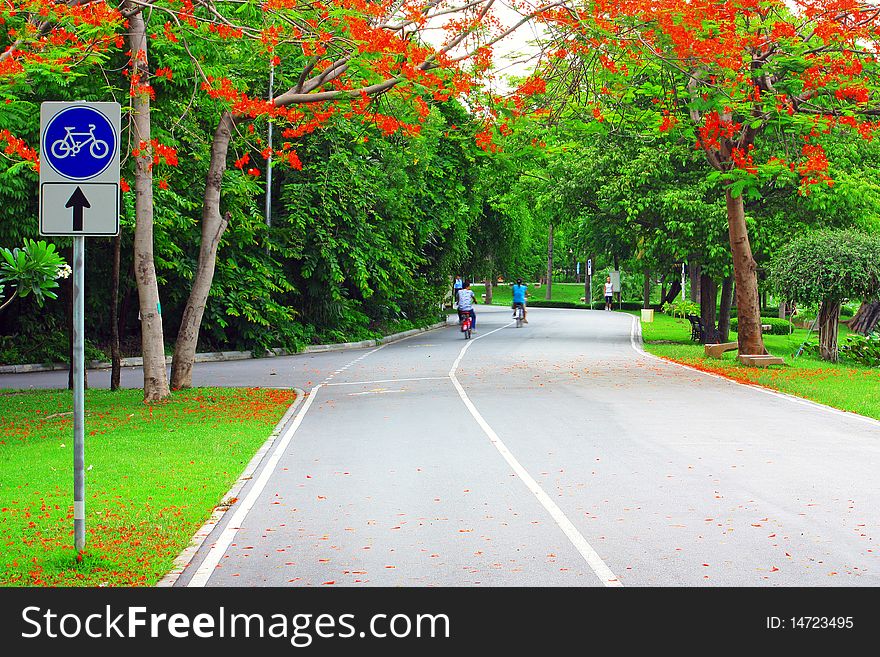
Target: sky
x=513 y=55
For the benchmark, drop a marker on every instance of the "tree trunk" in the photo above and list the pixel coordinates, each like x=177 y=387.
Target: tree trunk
x=749 y=338
x=488 y=283
x=213 y=226
x=619 y=278
x=829 y=315
x=724 y=309
x=672 y=292
x=708 y=300
x=646 y=291
x=152 y=340
x=548 y=292
x=866 y=318
x=781 y=312
x=663 y=290
x=115 y=358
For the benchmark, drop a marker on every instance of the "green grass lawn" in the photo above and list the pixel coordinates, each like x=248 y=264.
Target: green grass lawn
x=573 y=292
x=154 y=475
x=843 y=386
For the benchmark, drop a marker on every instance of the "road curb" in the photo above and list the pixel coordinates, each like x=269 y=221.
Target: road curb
x=224 y=356
x=185 y=558
x=637 y=334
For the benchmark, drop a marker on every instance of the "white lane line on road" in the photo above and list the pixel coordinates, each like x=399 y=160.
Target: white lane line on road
x=603 y=572
x=767 y=391
x=363 y=383
x=206 y=569
x=216 y=552
x=361 y=357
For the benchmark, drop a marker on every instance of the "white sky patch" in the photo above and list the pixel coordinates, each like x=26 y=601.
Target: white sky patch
x=515 y=55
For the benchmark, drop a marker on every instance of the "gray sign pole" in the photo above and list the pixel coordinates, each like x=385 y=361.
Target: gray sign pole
x=683 y=283
x=589 y=292
x=79 y=475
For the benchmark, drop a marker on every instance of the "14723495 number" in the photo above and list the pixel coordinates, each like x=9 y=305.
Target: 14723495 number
x=821 y=622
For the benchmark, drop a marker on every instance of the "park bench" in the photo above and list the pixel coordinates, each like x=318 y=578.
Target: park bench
x=715 y=350
x=698 y=330
x=760 y=360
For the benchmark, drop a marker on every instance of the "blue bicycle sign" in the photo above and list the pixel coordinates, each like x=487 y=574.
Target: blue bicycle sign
x=70 y=146
x=79 y=142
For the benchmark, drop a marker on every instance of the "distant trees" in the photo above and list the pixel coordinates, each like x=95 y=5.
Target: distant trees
x=826 y=267
x=756 y=87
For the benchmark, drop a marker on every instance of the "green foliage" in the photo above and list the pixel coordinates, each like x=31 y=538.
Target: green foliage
x=864 y=350
x=555 y=304
x=777 y=326
x=827 y=265
x=32 y=270
x=680 y=307
x=625 y=305
x=52 y=347
x=372 y=229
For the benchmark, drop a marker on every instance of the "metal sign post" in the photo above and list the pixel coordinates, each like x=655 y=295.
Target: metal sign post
x=683 y=282
x=79 y=197
x=589 y=290
x=78 y=364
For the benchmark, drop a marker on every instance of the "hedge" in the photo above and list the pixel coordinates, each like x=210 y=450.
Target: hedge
x=626 y=305
x=777 y=326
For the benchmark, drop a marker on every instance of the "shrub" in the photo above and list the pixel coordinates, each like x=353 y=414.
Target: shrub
x=861 y=349
x=777 y=326
x=555 y=304
x=681 y=308
x=626 y=305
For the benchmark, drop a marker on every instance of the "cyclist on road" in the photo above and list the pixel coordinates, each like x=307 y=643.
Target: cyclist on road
x=519 y=298
x=466 y=301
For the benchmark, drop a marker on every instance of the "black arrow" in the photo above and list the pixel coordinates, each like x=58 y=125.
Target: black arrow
x=77 y=201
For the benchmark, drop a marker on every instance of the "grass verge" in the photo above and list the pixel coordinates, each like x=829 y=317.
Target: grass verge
x=154 y=474
x=502 y=295
x=843 y=386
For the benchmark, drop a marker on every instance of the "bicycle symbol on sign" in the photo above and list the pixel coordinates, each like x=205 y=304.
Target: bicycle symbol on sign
x=69 y=145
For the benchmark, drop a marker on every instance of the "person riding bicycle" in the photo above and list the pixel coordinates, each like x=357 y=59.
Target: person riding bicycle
x=519 y=298
x=466 y=301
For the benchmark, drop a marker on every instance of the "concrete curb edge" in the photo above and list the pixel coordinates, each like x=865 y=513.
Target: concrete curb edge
x=223 y=356
x=637 y=333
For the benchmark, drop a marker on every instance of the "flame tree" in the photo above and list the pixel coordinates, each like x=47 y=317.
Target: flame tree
x=331 y=59
x=758 y=86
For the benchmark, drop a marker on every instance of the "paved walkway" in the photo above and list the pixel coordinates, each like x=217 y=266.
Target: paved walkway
x=556 y=454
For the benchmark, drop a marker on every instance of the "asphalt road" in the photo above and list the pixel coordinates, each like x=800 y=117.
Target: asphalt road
x=557 y=454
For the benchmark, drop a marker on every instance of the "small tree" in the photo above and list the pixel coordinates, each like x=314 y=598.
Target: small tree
x=31 y=270
x=826 y=267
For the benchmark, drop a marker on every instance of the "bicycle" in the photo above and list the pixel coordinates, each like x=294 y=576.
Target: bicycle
x=519 y=314
x=69 y=146
x=466 y=322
